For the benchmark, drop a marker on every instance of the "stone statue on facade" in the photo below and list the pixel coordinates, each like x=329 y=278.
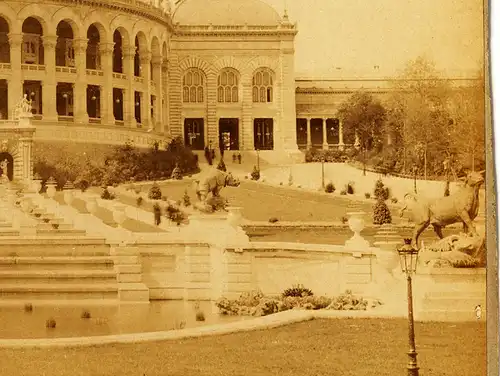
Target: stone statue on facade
x=208 y=190
x=467 y=248
x=23 y=108
x=4 y=166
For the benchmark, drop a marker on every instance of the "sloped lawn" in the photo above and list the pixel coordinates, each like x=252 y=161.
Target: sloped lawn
x=347 y=347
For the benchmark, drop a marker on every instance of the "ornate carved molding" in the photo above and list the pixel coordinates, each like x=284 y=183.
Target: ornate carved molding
x=49 y=41
x=15 y=40
x=106 y=48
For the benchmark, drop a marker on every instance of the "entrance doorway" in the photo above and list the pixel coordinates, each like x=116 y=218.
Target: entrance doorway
x=229 y=134
x=194 y=136
x=9 y=166
x=263 y=137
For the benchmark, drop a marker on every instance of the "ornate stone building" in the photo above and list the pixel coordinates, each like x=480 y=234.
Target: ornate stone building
x=215 y=72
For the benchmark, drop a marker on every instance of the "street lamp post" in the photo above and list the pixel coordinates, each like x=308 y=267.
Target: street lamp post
x=323 y=172
x=258 y=159
x=408 y=257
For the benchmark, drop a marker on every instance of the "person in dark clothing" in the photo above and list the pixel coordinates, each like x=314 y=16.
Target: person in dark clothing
x=213 y=154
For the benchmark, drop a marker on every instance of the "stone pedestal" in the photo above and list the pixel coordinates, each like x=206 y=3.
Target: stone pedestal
x=356 y=244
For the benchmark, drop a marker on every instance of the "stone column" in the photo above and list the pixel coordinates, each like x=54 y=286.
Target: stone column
x=247 y=140
x=15 y=83
x=174 y=90
x=212 y=128
x=25 y=145
x=309 y=141
x=357 y=143
x=106 y=52
x=325 y=138
x=49 y=84
x=157 y=77
x=164 y=98
x=341 y=135
x=146 y=93
x=128 y=96
x=80 y=88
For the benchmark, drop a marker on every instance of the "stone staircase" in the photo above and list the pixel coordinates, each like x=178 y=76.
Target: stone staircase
x=44 y=270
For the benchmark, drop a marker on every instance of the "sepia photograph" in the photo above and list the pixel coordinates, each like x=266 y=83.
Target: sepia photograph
x=247 y=187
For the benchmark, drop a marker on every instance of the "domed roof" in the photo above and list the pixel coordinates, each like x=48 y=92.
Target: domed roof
x=225 y=12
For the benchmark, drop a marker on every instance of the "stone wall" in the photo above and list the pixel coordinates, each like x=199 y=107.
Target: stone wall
x=203 y=272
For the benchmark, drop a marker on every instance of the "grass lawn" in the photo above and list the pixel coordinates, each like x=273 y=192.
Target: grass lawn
x=347 y=347
x=261 y=202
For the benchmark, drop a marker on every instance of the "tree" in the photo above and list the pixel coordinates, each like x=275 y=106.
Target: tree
x=364 y=116
x=419 y=117
x=468 y=126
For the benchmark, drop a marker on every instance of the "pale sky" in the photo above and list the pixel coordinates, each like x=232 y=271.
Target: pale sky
x=356 y=35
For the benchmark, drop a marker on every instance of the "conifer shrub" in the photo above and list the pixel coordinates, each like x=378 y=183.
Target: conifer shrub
x=330 y=188
x=154 y=192
x=255 y=173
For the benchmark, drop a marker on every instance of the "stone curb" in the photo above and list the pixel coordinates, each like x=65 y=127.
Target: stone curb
x=265 y=322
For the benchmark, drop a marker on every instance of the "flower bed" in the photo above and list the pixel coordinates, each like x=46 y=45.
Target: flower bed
x=256 y=304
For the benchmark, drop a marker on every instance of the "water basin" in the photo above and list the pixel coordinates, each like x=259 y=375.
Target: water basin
x=15 y=323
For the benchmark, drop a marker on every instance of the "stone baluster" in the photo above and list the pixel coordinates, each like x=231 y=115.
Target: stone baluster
x=325 y=139
x=309 y=140
x=106 y=52
x=49 y=84
x=15 y=84
x=80 y=91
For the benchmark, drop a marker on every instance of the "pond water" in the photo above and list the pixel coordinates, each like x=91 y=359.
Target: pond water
x=15 y=323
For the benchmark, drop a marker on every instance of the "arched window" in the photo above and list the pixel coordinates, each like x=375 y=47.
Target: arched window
x=262 y=86
x=227 y=87
x=193 y=85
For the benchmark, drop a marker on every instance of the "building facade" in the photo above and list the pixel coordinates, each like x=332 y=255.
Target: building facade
x=215 y=72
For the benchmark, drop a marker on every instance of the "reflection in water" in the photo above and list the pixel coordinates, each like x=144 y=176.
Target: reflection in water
x=106 y=320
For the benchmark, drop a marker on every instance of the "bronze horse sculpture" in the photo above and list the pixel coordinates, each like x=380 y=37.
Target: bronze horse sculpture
x=461 y=206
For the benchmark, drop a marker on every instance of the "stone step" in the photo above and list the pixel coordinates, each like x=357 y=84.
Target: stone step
x=9 y=232
x=476 y=292
x=52 y=226
x=64 y=231
x=57 y=276
x=83 y=303
x=57 y=263
x=44 y=250
x=28 y=292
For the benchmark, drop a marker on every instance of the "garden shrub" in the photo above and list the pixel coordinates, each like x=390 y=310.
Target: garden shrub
x=350 y=188
x=138 y=201
x=154 y=192
x=330 y=188
x=186 y=199
x=367 y=195
x=447 y=189
x=107 y=195
x=319 y=155
x=394 y=200
x=104 y=164
x=175 y=215
x=157 y=214
x=380 y=191
x=381 y=213
x=343 y=192
x=297 y=290
x=254 y=303
x=222 y=166
x=273 y=220
x=255 y=173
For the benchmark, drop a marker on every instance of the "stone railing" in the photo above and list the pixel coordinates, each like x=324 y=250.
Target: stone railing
x=97 y=134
